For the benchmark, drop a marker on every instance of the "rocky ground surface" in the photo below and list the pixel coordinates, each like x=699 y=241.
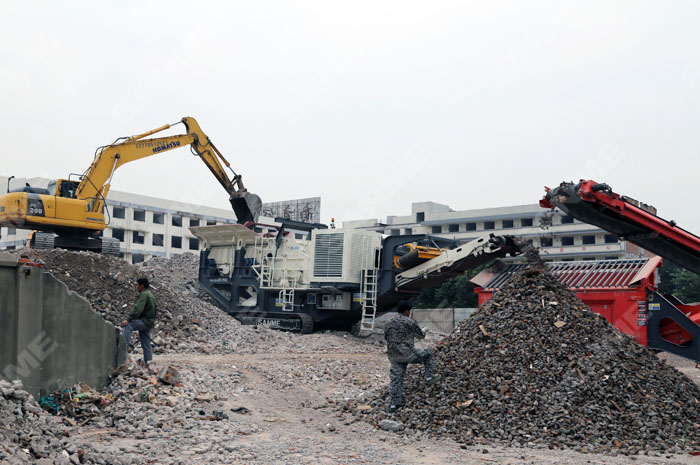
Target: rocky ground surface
x=535 y=367
x=246 y=409
x=233 y=394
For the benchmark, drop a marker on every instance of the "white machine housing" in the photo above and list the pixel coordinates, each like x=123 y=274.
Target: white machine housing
x=340 y=255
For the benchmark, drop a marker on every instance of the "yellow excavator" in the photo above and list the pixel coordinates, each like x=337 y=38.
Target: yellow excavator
x=70 y=213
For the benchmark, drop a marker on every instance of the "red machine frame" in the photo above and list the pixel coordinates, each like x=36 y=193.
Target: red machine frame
x=671 y=325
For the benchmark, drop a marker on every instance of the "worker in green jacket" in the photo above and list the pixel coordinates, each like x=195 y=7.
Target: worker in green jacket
x=142 y=319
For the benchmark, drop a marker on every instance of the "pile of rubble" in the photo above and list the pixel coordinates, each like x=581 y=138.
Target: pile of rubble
x=185 y=322
x=535 y=367
x=27 y=433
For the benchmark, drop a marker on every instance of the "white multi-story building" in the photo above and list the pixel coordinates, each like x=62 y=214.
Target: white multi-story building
x=559 y=236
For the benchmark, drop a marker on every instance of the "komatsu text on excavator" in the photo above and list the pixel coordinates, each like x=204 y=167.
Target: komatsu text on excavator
x=70 y=213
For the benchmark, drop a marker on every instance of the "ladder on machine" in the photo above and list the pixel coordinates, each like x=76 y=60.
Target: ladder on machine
x=286 y=299
x=263 y=266
x=369 y=299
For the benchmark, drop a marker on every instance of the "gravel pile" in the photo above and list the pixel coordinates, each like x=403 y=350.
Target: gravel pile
x=185 y=322
x=535 y=367
x=27 y=433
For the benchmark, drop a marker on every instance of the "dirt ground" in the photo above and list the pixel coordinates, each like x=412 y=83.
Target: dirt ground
x=293 y=419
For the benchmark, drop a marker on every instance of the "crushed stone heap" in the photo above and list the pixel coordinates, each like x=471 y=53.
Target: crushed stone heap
x=26 y=431
x=185 y=321
x=536 y=367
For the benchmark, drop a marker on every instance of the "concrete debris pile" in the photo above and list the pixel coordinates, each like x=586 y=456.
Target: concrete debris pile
x=131 y=387
x=535 y=367
x=185 y=322
x=185 y=404
x=27 y=433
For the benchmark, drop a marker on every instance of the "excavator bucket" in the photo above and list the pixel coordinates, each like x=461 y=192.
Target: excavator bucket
x=246 y=206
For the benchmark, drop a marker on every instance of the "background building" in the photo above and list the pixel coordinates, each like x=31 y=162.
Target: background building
x=559 y=236
x=304 y=210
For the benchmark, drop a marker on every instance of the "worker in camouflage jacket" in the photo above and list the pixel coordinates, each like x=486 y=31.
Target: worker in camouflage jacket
x=399 y=333
x=142 y=319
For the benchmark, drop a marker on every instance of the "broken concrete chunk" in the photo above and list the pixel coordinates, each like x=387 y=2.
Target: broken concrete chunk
x=390 y=425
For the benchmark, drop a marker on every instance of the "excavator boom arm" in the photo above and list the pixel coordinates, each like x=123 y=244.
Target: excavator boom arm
x=96 y=181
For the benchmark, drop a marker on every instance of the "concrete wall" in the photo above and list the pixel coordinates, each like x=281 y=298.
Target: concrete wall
x=442 y=320
x=51 y=338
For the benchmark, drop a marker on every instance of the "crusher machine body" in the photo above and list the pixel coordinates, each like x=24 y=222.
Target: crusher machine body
x=299 y=277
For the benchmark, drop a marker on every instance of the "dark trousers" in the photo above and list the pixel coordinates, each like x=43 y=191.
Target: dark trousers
x=397 y=373
x=144 y=336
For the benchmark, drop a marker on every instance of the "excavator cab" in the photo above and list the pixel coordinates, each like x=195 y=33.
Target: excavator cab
x=63 y=188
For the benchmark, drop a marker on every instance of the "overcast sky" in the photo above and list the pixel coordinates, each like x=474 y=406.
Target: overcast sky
x=369 y=105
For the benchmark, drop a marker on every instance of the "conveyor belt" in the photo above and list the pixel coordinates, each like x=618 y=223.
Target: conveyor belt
x=596 y=204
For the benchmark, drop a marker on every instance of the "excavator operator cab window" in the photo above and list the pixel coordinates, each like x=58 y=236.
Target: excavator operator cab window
x=67 y=189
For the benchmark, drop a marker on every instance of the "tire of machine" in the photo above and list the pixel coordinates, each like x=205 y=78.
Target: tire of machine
x=307 y=323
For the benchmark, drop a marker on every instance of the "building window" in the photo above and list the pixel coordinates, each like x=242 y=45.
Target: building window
x=454 y=228
x=507 y=224
x=611 y=257
x=119 y=212
x=546 y=242
x=177 y=221
x=395 y=232
x=158 y=218
x=567 y=240
x=194 y=243
x=489 y=225
x=437 y=229
x=137 y=258
x=588 y=259
x=139 y=215
x=194 y=222
x=526 y=222
x=420 y=217
x=588 y=240
x=11 y=247
x=471 y=226
x=11 y=231
x=211 y=223
x=408 y=231
x=138 y=237
x=118 y=234
x=611 y=239
x=566 y=219
x=158 y=240
x=176 y=242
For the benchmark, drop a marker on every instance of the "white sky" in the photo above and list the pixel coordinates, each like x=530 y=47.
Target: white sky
x=371 y=105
